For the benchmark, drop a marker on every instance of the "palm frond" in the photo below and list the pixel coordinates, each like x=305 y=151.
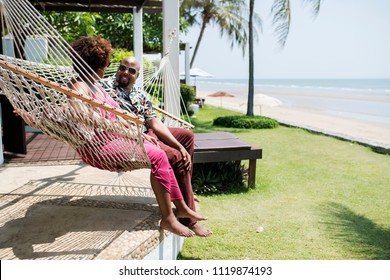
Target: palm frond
x=315 y=5
x=281 y=20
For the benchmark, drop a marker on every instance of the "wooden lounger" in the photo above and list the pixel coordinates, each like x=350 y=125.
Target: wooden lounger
x=223 y=146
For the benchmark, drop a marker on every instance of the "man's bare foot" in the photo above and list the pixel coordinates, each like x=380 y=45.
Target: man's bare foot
x=200 y=230
x=188 y=213
x=196 y=198
x=175 y=227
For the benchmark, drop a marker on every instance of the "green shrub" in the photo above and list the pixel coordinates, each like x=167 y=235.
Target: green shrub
x=119 y=54
x=188 y=94
x=219 y=177
x=243 y=121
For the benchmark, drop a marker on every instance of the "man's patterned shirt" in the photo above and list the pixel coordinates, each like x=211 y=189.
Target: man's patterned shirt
x=136 y=101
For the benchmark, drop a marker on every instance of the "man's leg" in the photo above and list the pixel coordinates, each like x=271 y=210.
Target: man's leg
x=183 y=176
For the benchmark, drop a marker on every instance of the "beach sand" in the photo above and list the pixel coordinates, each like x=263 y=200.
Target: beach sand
x=371 y=133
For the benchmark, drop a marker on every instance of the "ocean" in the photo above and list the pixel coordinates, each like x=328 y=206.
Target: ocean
x=357 y=99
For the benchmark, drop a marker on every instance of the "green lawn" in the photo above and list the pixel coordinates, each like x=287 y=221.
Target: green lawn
x=316 y=197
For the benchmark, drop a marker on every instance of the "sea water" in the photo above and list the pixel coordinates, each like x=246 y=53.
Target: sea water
x=359 y=99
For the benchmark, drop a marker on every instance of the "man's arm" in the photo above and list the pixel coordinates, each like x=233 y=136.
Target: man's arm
x=163 y=133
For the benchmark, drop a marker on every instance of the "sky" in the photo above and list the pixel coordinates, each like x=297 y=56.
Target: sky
x=349 y=39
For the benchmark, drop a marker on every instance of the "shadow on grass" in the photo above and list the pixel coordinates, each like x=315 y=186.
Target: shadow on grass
x=180 y=256
x=362 y=234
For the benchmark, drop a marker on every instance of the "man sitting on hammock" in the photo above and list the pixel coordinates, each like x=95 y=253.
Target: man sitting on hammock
x=178 y=143
x=96 y=51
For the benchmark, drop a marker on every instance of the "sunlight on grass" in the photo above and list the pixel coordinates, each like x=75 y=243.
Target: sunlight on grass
x=316 y=197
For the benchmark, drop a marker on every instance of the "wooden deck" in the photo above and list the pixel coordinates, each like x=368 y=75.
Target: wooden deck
x=42 y=148
x=209 y=147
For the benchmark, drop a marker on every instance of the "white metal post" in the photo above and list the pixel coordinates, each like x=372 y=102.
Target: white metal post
x=171 y=24
x=138 y=41
x=187 y=62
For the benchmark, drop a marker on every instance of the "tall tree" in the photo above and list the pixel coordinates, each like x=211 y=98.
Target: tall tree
x=281 y=13
x=227 y=15
x=249 y=110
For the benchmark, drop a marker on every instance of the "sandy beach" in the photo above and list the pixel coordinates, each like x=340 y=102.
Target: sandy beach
x=367 y=132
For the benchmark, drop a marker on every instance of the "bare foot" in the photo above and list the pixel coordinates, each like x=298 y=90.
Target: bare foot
x=201 y=231
x=196 y=198
x=188 y=213
x=173 y=225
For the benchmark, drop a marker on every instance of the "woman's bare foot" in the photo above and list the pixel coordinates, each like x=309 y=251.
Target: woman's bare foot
x=173 y=225
x=200 y=230
x=188 y=213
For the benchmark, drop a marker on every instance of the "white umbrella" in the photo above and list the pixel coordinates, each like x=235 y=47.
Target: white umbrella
x=265 y=100
x=197 y=72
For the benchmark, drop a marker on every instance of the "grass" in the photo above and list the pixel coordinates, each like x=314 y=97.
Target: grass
x=316 y=197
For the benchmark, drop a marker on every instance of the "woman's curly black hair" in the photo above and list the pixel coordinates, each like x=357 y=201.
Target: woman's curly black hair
x=95 y=51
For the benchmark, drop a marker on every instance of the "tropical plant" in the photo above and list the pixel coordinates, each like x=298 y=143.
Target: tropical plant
x=116 y=27
x=72 y=25
x=219 y=177
x=228 y=15
x=281 y=13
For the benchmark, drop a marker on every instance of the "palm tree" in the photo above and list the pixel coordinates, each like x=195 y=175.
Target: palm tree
x=249 y=110
x=228 y=15
x=281 y=20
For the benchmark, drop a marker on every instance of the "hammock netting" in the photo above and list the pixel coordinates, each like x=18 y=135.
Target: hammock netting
x=35 y=71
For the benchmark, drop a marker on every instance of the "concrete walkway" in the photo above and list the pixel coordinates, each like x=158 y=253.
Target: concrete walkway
x=68 y=210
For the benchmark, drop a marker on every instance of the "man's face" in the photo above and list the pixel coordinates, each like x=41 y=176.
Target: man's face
x=127 y=73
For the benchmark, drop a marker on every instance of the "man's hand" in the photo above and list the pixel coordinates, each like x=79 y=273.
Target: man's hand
x=186 y=158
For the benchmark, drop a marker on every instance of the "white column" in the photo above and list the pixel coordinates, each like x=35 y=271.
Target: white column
x=187 y=62
x=138 y=41
x=171 y=24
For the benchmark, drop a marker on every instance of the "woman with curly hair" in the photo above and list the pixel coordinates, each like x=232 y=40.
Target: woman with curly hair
x=96 y=51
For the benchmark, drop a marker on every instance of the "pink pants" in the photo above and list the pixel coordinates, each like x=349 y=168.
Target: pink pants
x=110 y=154
x=162 y=170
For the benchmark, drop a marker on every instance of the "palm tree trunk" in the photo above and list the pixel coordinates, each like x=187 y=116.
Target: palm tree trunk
x=249 y=111
x=202 y=29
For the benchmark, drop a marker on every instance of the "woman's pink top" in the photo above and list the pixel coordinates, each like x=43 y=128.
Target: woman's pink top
x=104 y=97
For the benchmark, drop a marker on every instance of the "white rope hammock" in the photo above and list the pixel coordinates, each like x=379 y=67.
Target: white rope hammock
x=36 y=84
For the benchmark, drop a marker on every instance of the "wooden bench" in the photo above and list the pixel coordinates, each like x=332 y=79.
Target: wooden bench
x=200 y=102
x=224 y=146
